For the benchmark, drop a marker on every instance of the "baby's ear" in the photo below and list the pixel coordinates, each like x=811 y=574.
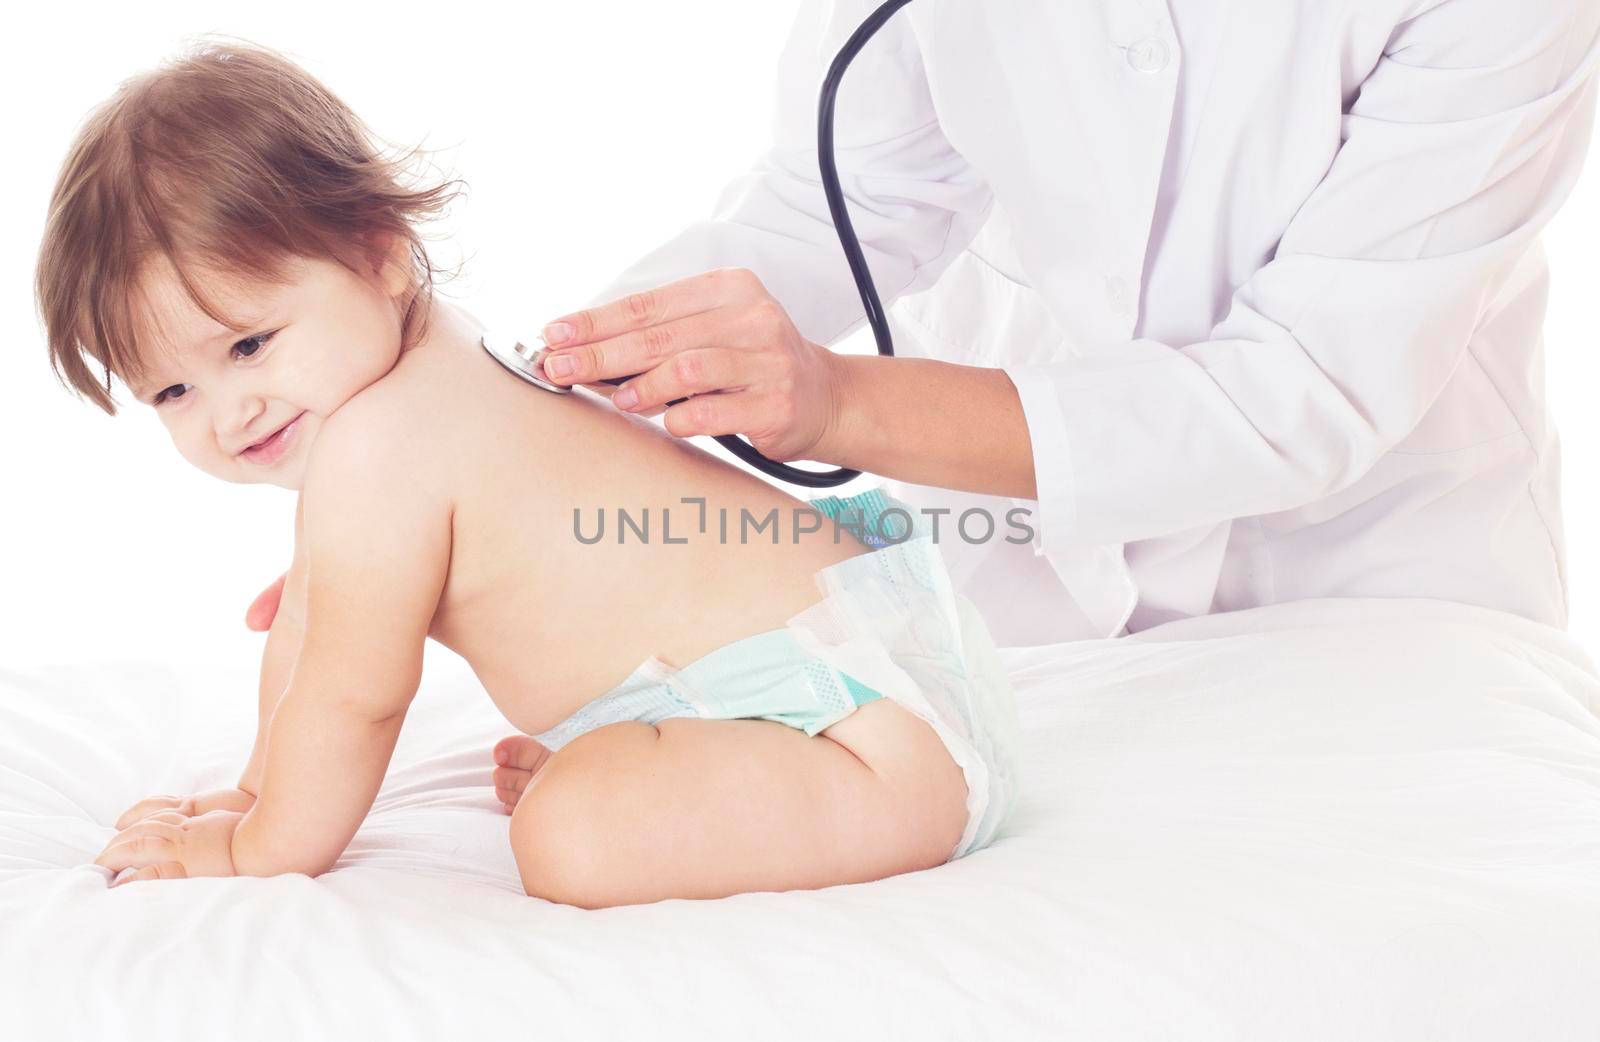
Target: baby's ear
x=390 y=259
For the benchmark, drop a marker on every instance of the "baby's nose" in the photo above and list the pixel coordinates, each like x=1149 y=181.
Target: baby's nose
x=236 y=418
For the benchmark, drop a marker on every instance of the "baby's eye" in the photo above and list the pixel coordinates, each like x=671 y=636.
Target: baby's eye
x=247 y=347
x=170 y=394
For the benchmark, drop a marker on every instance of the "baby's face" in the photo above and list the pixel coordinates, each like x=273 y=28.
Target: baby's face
x=246 y=407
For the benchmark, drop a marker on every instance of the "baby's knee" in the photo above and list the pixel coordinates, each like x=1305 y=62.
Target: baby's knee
x=564 y=830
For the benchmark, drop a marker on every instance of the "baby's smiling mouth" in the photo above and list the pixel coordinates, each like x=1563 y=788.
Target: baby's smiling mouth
x=268 y=449
x=267 y=437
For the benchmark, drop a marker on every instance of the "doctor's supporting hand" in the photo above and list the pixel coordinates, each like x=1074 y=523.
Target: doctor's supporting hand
x=722 y=341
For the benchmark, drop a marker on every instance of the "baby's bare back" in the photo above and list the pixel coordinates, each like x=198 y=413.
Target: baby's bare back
x=548 y=621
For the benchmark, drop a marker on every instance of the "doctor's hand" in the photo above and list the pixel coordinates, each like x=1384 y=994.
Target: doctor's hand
x=718 y=339
x=264 y=608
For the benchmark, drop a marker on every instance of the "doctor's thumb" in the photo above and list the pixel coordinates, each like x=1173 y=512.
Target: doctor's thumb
x=264 y=608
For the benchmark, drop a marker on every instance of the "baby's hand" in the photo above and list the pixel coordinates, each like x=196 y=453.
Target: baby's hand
x=168 y=845
x=187 y=806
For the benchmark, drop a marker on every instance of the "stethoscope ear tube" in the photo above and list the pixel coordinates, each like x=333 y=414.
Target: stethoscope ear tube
x=852 y=251
x=830 y=174
x=528 y=363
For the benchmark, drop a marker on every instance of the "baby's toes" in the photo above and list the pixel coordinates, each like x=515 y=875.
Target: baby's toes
x=509 y=783
x=519 y=758
x=520 y=751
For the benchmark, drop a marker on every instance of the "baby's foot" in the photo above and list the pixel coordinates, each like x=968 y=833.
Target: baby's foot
x=518 y=759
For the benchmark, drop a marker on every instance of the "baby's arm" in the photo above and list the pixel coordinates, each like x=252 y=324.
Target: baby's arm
x=278 y=658
x=376 y=541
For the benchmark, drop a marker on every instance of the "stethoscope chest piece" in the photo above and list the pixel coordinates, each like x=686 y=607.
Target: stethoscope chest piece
x=525 y=361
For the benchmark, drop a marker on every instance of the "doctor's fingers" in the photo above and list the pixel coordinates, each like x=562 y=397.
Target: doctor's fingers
x=767 y=419
x=264 y=609
x=641 y=350
x=675 y=300
x=697 y=372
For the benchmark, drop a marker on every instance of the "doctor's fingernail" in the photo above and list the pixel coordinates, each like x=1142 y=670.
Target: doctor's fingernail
x=560 y=365
x=626 y=398
x=557 y=333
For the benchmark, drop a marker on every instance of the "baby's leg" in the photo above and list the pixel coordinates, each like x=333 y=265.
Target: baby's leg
x=632 y=813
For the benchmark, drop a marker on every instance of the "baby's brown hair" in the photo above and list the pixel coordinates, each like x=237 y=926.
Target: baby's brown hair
x=231 y=158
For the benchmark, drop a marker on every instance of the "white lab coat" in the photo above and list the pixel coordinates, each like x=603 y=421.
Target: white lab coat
x=1265 y=274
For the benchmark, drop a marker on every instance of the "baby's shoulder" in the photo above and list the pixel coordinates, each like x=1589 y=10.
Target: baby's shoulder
x=385 y=432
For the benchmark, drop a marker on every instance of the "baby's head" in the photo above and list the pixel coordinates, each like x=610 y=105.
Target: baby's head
x=225 y=239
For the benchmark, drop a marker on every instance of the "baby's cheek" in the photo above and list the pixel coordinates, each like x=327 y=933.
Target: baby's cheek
x=183 y=444
x=207 y=459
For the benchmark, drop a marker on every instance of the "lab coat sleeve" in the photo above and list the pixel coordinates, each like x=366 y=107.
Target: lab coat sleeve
x=1464 y=139
x=914 y=201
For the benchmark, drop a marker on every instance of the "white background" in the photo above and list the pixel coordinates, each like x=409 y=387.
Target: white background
x=588 y=133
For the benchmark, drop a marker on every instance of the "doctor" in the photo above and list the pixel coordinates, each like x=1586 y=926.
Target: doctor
x=1246 y=294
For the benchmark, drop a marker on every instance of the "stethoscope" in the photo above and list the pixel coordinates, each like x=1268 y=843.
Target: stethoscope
x=527 y=361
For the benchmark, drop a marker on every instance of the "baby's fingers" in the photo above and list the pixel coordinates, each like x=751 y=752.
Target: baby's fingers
x=146 y=843
x=162 y=870
x=150 y=805
x=168 y=817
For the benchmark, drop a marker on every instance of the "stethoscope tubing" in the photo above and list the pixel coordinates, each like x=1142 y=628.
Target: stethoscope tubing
x=852 y=251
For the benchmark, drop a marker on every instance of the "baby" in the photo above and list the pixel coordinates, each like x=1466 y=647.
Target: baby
x=225 y=239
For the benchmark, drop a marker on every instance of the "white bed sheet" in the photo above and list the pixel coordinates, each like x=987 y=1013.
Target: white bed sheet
x=1374 y=819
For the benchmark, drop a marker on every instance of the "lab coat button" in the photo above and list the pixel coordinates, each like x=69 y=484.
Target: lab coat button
x=1150 y=54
